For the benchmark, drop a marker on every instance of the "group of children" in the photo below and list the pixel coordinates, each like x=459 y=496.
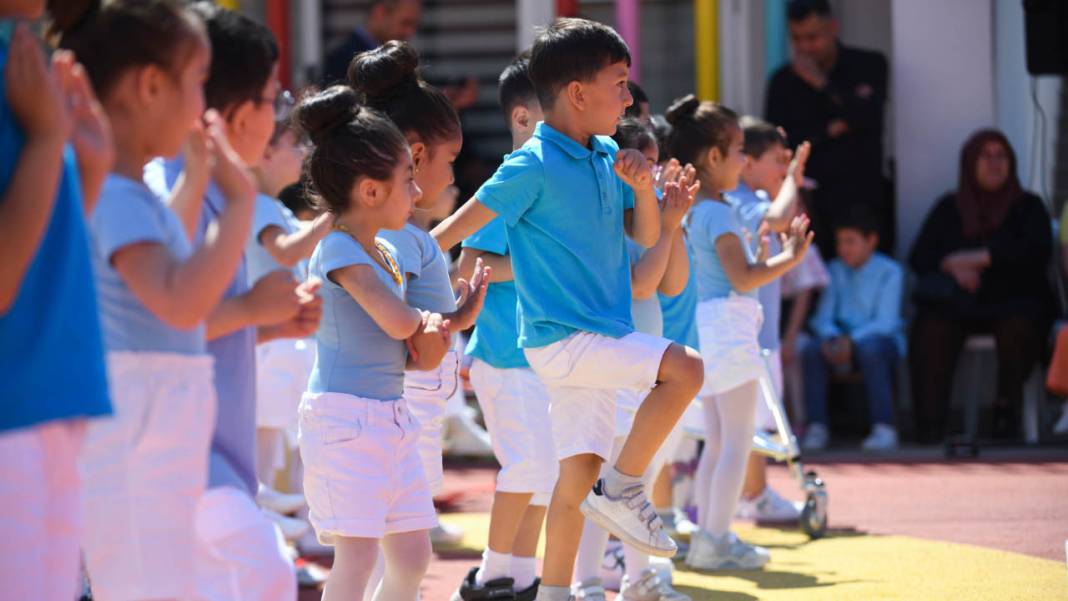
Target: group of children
x=199 y=320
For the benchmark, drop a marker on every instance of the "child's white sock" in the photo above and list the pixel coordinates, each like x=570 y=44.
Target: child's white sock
x=494 y=565
x=553 y=593
x=615 y=481
x=524 y=571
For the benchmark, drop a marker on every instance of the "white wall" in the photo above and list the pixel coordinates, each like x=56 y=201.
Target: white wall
x=942 y=88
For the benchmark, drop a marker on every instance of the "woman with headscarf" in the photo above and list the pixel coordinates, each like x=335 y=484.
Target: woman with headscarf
x=981 y=265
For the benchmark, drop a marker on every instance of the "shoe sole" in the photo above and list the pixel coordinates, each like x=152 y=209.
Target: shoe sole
x=605 y=522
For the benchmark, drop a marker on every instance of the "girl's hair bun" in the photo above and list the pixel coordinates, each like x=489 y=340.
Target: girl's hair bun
x=682 y=109
x=386 y=72
x=319 y=115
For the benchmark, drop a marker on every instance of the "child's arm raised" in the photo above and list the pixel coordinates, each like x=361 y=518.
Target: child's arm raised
x=500 y=265
x=745 y=276
x=290 y=249
x=183 y=294
x=643 y=225
x=467 y=220
x=784 y=208
x=187 y=196
x=35 y=98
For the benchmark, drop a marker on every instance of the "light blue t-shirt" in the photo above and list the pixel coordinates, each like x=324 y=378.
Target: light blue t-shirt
x=421 y=260
x=563 y=206
x=497 y=328
x=862 y=302
x=51 y=352
x=680 y=311
x=129 y=213
x=270 y=212
x=646 y=312
x=750 y=208
x=707 y=221
x=232 y=461
x=355 y=355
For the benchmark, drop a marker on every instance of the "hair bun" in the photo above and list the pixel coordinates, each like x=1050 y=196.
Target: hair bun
x=682 y=109
x=385 y=72
x=321 y=114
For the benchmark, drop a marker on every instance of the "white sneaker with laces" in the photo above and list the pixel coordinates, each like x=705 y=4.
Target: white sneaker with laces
x=589 y=590
x=727 y=552
x=883 y=437
x=769 y=506
x=284 y=503
x=816 y=437
x=651 y=587
x=631 y=517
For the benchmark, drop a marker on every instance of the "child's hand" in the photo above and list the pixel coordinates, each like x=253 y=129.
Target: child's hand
x=311 y=308
x=430 y=342
x=796 y=239
x=797 y=165
x=274 y=298
x=634 y=170
x=91 y=131
x=669 y=172
x=33 y=91
x=763 y=241
x=229 y=171
x=472 y=295
x=197 y=153
x=676 y=203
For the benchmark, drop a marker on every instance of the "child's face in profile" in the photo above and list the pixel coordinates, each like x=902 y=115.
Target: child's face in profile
x=404 y=194
x=605 y=98
x=854 y=246
x=251 y=123
x=434 y=172
x=768 y=171
x=728 y=167
x=282 y=160
x=184 y=105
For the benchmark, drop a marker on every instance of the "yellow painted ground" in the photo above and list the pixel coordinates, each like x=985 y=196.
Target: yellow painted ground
x=859 y=567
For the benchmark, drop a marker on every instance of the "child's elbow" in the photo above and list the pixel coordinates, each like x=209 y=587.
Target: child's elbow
x=182 y=317
x=672 y=288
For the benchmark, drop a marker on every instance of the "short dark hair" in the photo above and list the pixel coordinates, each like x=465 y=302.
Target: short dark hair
x=631 y=133
x=759 y=136
x=295 y=198
x=152 y=32
x=639 y=96
x=572 y=50
x=860 y=218
x=243 y=53
x=514 y=86
x=351 y=141
x=799 y=10
x=387 y=79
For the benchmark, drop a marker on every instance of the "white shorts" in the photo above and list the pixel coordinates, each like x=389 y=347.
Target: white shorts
x=427 y=393
x=583 y=374
x=241 y=555
x=764 y=419
x=282 y=370
x=727 y=328
x=362 y=473
x=143 y=472
x=41 y=519
x=515 y=405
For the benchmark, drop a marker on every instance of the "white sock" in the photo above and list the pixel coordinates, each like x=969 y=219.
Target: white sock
x=615 y=481
x=524 y=571
x=553 y=593
x=494 y=565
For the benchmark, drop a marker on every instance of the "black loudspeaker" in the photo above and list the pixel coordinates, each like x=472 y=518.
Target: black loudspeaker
x=1046 y=27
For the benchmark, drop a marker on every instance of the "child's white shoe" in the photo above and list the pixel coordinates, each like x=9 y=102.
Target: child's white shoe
x=816 y=437
x=725 y=552
x=631 y=517
x=591 y=589
x=769 y=507
x=650 y=587
x=883 y=437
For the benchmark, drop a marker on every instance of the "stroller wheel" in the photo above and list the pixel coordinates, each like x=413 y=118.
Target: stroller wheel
x=814 y=513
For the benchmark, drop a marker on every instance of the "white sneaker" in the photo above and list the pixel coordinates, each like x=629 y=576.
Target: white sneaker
x=284 y=503
x=446 y=534
x=683 y=525
x=631 y=517
x=650 y=588
x=292 y=528
x=816 y=437
x=1061 y=427
x=588 y=590
x=883 y=437
x=613 y=566
x=464 y=437
x=665 y=568
x=769 y=506
x=725 y=552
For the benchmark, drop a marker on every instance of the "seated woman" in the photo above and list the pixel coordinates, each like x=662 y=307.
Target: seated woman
x=981 y=265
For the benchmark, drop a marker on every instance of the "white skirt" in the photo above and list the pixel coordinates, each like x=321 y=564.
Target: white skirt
x=727 y=329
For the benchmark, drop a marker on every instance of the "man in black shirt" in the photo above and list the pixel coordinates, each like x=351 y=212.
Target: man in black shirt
x=387 y=20
x=833 y=96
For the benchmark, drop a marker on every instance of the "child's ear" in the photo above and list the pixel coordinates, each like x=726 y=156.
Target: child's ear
x=575 y=95
x=237 y=118
x=521 y=117
x=367 y=192
x=148 y=81
x=420 y=154
x=714 y=156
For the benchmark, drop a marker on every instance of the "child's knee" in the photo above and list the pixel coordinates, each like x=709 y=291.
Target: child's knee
x=683 y=366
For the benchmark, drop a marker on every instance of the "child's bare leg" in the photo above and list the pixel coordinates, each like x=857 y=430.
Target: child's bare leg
x=756 y=476
x=529 y=533
x=506 y=516
x=354 y=559
x=564 y=523
x=680 y=377
x=661 y=496
x=407 y=559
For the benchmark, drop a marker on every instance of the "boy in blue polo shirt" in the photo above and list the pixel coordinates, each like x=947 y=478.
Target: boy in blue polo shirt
x=569 y=197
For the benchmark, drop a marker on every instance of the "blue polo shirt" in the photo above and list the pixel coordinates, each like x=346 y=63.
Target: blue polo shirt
x=232 y=461
x=497 y=327
x=51 y=352
x=680 y=311
x=563 y=207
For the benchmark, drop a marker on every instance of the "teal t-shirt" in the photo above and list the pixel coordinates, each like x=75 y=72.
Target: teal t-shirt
x=497 y=329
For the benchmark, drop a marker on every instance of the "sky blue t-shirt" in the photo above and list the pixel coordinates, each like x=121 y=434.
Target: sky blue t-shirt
x=563 y=206
x=129 y=213
x=707 y=221
x=497 y=328
x=51 y=353
x=355 y=355
x=232 y=461
x=646 y=312
x=270 y=212
x=429 y=287
x=750 y=208
x=680 y=311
